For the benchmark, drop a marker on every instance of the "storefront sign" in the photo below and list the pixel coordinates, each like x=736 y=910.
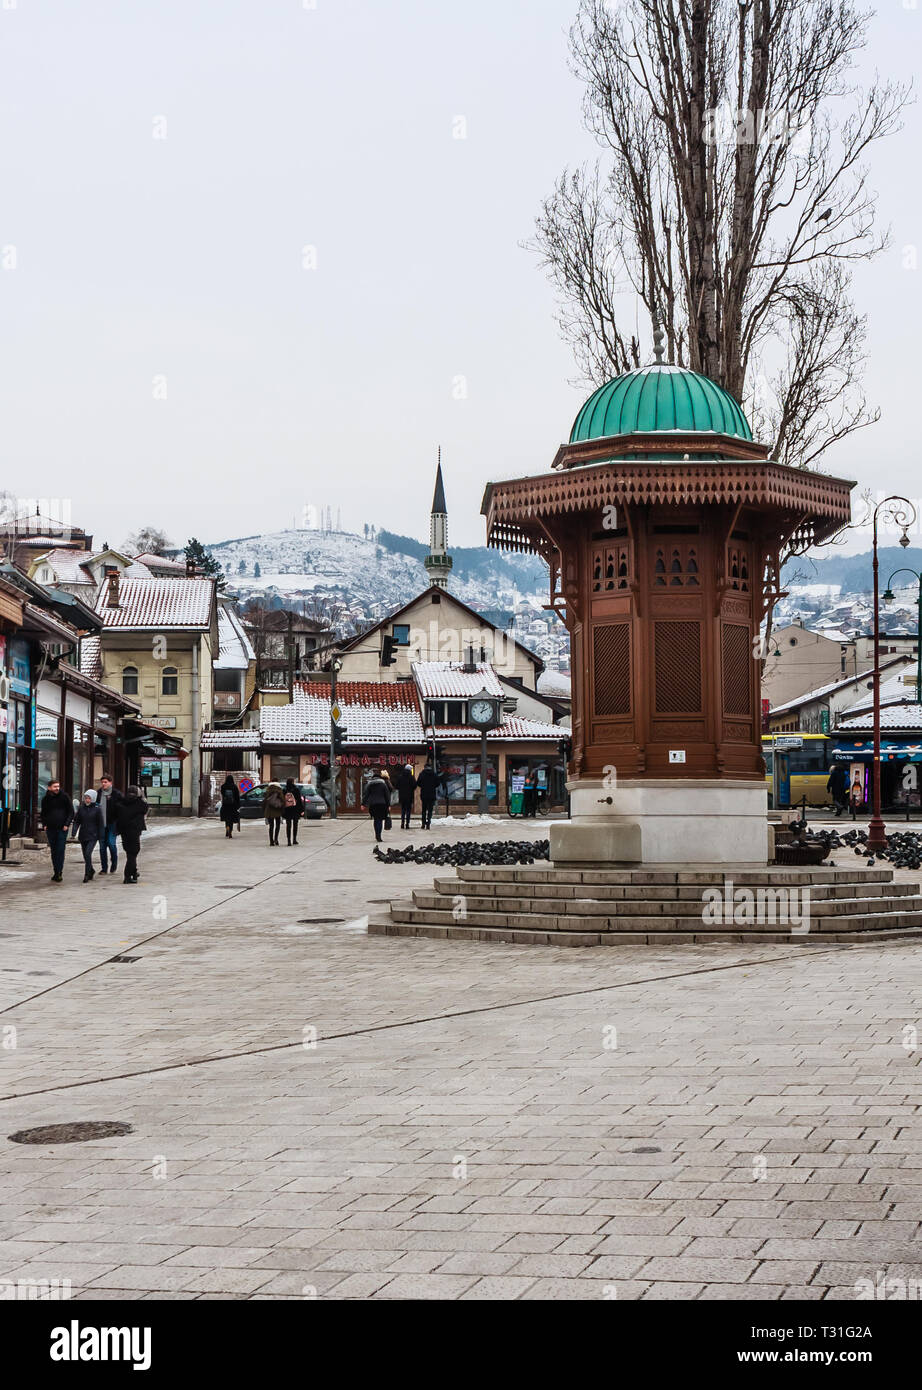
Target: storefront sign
x=20 y=667
x=361 y=759
x=163 y=722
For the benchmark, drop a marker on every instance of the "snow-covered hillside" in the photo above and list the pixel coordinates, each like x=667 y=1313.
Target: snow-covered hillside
x=333 y=565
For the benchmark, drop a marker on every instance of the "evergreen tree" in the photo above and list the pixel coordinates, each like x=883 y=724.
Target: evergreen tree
x=205 y=564
x=242 y=568
x=256 y=570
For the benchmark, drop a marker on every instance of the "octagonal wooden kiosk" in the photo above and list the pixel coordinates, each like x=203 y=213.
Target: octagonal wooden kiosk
x=663 y=546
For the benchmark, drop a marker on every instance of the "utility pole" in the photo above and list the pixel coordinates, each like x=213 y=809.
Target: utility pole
x=335 y=667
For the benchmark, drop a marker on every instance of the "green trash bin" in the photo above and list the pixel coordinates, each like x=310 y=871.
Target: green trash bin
x=515 y=803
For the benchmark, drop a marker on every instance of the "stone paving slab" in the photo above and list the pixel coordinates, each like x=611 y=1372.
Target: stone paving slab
x=467 y=1121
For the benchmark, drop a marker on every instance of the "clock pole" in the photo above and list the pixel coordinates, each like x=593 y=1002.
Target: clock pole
x=483 y=801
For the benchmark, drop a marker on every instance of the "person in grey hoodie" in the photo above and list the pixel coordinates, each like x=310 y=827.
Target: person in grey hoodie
x=89 y=827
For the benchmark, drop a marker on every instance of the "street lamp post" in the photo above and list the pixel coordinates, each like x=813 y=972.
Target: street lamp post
x=904 y=514
x=335 y=667
x=887 y=597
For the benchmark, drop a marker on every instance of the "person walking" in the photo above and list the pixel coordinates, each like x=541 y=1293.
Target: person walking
x=55 y=816
x=130 y=823
x=89 y=826
x=378 y=800
x=273 y=806
x=108 y=799
x=406 y=790
x=294 y=810
x=530 y=795
x=428 y=784
x=230 y=806
x=837 y=786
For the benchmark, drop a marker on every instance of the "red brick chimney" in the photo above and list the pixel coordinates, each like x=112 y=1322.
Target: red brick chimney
x=113 y=576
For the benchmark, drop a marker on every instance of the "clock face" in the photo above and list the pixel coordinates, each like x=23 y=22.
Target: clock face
x=481 y=711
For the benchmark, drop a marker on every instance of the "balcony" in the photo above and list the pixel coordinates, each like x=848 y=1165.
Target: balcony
x=227 y=701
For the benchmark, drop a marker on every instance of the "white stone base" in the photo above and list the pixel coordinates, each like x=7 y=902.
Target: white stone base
x=663 y=821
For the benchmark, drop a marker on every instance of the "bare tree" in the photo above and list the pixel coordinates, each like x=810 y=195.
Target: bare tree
x=147 y=540
x=731 y=200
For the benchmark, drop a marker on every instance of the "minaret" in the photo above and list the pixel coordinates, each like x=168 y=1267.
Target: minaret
x=438 y=562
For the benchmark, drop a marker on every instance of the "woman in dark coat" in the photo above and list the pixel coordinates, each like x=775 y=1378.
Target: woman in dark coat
x=230 y=805
x=90 y=823
x=130 y=823
x=294 y=809
x=378 y=800
x=273 y=806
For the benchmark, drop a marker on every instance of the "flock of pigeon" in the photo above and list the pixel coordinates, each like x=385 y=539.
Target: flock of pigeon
x=472 y=852
x=904 y=847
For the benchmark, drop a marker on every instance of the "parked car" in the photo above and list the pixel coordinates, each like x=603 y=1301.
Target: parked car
x=251 y=802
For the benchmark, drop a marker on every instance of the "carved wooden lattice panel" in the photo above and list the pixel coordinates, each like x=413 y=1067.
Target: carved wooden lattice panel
x=611 y=661
x=675 y=566
x=738 y=568
x=736 y=663
x=611 y=568
x=677 y=666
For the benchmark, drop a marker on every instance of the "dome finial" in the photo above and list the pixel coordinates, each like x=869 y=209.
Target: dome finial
x=657 y=340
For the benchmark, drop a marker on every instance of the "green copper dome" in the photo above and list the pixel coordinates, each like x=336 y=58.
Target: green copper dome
x=656 y=399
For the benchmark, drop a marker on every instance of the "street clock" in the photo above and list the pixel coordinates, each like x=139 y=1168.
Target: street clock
x=483 y=711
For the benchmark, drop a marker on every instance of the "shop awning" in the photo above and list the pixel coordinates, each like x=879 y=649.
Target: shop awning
x=140 y=731
x=891 y=750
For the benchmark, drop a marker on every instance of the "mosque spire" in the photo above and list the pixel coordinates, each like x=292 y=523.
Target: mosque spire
x=438 y=562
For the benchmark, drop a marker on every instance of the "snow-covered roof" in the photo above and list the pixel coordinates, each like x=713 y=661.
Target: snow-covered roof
x=906 y=716
x=448 y=680
x=161 y=564
x=386 y=713
x=243 y=739
x=894 y=689
x=235 y=651
x=554 y=683
x=158 y=603
x=511 y=727
x=74 y=566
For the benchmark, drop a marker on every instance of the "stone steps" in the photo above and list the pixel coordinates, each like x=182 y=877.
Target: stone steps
x=574 y=908
x=384 y=926
x=642 y=922
x=665 y=892
x=594 y=907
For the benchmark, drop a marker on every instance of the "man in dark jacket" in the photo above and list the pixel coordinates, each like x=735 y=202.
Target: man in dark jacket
x=108 y=845
x=837 y=786
x=90 y=826
x=56 y=814
x=129 y=819
x=406 y=789
x=378 y=799
x=428 y=783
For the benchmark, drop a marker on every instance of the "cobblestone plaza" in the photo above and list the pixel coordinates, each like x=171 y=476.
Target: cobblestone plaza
x=319 y=1112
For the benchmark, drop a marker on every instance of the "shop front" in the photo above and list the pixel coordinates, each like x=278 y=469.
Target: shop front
x=900 y=772
x=20 y=737
x=154 y=762
x=313 y=768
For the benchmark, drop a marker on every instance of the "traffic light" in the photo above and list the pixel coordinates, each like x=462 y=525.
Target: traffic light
x=339 y=738
x=565 y=748
x=388 y=654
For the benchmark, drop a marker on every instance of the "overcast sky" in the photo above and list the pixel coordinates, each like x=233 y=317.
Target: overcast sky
x=168 y=358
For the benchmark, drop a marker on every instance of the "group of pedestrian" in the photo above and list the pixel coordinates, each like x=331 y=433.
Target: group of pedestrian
x=283 y=803
x=102 y=818
x=380 y=793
